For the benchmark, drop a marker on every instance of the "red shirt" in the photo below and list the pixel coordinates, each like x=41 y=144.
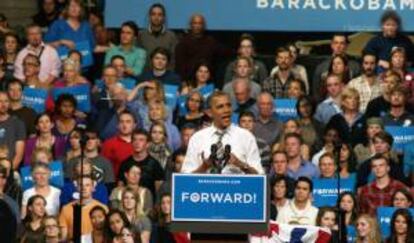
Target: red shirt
x=116 y=150
x=371 y=197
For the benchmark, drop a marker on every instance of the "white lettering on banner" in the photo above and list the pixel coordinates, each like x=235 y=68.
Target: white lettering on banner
x=325 y=192
x=218 y=197
x=403 y=139
x=355 y=6
x=336 y=4
x=407 y=3
x=293 y=4
x=262 y=4
x=324 y=6
x=386 y=220
x=81 y=97
x=33 y=100
x=309 y=3
x=278 y=3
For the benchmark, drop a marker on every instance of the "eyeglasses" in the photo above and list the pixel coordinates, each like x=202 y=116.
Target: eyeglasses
x=32 y=64
x=52 y=226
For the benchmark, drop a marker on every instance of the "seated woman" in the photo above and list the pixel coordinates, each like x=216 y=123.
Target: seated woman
x=158 y=114
x=310 y=129
x=41 y=175
x=350 y=123
x=162 y=217
x=367 y=229
x=402 y=227
x=131 y=179
x=194 y=106
x=279 y=195
x=201 y=77
x=44 y=138
x=65 y=115
x=33 y=221
x=348 y=203
x=158 y=147
x=132 y=207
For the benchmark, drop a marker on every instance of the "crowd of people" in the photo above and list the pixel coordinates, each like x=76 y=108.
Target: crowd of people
x=132 y=140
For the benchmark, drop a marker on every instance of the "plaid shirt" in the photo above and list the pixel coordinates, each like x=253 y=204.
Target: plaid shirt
x=366 y=92
x=370 y=196
x=276 y=87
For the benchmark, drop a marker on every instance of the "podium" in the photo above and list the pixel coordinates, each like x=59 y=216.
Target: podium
x=219 y=207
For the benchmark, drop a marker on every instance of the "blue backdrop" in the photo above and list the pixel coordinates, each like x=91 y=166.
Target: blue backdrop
x=284 y=15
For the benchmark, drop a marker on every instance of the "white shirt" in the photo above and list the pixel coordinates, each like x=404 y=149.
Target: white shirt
x=290 y=214
x=242 y=142
x=52 y=200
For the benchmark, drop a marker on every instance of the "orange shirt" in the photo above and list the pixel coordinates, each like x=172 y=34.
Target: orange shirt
x=66 y=217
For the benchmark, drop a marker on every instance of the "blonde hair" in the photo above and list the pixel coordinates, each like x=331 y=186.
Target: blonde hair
x=158 y=104
x=139 y=209
x=39 y=150
x=374 y=235
x=350 y=93
x=159 y=89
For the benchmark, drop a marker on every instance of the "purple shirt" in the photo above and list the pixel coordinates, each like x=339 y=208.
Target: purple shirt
x=58 y=148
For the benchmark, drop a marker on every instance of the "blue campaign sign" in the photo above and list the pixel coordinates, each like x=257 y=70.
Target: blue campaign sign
x=285 y=109
x=351 y=234
x=401 y=135
x=83 y=47
x=268 y=15
x=81 y=94
x=219 y=198
x=56 y=175
x=325 y=191
x=206 y=91
x=384 y=216
x=171 y=95
x=182 y=108
x=35 y=99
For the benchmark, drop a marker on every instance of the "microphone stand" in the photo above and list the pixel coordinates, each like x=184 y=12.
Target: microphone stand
x=77 y=207
x=342 y=234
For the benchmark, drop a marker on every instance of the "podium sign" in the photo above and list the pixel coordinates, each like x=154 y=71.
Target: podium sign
x=219 y=198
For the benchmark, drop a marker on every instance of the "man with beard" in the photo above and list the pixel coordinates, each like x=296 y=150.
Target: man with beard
x=278 y=83
x=398 y=115
x=157 y=34
x=367 y=85
x=49 y=59
x=244 y=157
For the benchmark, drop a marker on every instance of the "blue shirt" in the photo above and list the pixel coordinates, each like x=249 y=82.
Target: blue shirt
x=61 y=30
x=69 y=189
x=326 y=110
x=306 y=169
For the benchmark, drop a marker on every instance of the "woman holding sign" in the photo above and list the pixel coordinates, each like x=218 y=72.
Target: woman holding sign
x=71 y=31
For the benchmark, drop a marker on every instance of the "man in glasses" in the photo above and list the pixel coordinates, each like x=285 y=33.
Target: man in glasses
x=47 y=55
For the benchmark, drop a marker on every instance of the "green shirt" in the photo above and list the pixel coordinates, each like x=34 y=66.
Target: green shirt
x=134 y=58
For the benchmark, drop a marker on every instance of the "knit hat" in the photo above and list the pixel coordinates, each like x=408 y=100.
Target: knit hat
x=375 y=121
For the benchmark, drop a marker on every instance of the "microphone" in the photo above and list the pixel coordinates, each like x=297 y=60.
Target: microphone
x=226 y=156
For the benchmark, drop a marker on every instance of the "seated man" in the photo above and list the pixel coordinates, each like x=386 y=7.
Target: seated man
x=300 y=210
x=379 y=192
x=86 y=186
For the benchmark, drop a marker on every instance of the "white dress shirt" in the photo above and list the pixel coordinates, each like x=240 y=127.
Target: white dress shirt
x=242 y=142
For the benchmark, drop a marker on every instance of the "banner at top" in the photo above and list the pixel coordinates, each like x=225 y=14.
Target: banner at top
x=266 y=15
